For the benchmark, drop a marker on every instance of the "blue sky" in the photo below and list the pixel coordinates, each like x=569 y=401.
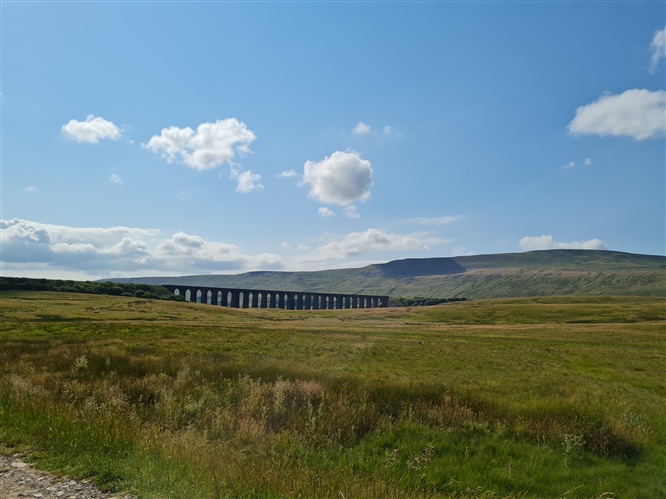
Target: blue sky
x=168 y=138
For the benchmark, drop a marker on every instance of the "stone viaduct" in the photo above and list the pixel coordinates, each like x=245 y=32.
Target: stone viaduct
x=290 y=300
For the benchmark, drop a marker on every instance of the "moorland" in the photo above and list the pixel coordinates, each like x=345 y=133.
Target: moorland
x=525 y=397
x=507 y=275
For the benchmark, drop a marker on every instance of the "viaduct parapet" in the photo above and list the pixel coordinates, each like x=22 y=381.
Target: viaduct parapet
x=289 y=300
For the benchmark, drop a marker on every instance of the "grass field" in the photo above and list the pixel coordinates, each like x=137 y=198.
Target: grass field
x=544 y=397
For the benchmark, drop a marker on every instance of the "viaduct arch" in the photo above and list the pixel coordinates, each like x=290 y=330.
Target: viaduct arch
x=289 y=300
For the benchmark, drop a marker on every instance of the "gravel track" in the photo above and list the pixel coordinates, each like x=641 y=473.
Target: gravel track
x=19 y=479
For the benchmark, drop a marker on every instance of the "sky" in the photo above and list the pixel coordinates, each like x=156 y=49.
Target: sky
x=180 y=138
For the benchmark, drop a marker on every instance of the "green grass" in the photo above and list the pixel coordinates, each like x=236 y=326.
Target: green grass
x=505 y=398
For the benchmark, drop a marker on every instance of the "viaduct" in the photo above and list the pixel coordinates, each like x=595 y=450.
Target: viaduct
x=290 y=300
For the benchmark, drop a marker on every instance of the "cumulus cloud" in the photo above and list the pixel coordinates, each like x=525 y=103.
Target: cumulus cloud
x=341 y=179
x=325 y=212
x=658 y=47
x=371 y=241
x=189 y=246
x=92 y=130
x=287 y=174
x=34 y=249
x=247 y=181
x=636 y=113
x=361 y=128
x=115 y=178
x=212 y=145
x=25 y=241
x=351 y=212
x=547 y=242
x=189 y=251
x=105 y=251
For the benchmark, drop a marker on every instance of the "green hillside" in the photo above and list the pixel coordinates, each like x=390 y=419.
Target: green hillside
x=509 y=275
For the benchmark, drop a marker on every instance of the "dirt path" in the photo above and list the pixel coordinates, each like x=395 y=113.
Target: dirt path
x=19 y=479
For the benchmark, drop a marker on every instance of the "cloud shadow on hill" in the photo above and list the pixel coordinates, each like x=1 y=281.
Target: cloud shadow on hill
x=415 y=267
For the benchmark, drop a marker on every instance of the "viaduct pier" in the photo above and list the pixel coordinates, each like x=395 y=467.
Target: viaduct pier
x=289 y=300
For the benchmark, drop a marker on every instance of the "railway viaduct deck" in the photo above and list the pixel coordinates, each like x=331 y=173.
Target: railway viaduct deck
x=290 y=300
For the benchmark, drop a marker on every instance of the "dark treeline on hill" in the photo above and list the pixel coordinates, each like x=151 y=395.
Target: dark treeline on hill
x=97 y=288
x=421 y=301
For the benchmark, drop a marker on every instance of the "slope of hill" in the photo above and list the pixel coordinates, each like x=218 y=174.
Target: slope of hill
x=534 y=273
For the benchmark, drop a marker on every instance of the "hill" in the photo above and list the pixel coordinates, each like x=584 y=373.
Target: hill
x=508 y=275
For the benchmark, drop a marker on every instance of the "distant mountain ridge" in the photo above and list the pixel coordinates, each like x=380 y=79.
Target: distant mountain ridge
x=506 y=275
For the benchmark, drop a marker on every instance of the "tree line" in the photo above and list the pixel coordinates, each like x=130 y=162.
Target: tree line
x=91 y=287
x=421 y=301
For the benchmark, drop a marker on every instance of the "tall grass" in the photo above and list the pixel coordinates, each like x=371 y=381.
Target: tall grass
x=207 y=402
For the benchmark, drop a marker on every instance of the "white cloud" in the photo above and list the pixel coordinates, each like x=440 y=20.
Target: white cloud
x=184 y=250
x=92 y=130
x=437 y=220
x=34 y=249
x=24 y=242
x=460 y=251
x=361 y=128
x=247 y=181
x=99 y=252
x=287 y=174
x=547 y=242
x=30 y=189
x=115 y=178
x=387 y=129
x=658 y=47
x=351 y=212
x=185 y=195
x=325 y=212
x=212 y=145
x=371 y=241
x=636 y=113
x=572 y=164
x=342 y=178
